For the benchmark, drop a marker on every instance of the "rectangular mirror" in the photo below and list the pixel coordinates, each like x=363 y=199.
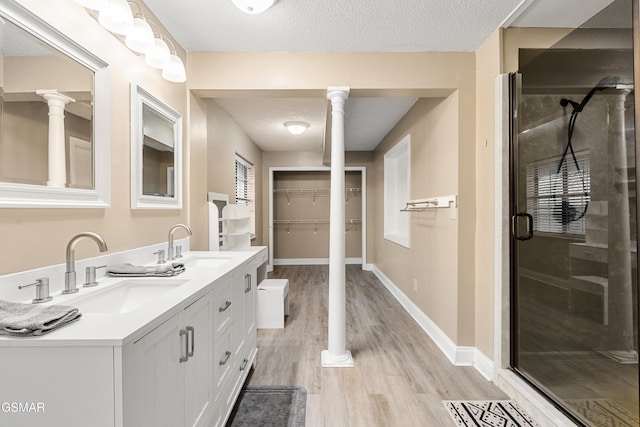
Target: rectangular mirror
x=156 y=153
x=54 y=121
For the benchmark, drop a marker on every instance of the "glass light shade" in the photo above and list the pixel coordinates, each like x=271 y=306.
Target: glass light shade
x=140 y=37
x=174 y=70
x=296 y=128
x=253 y=7
x=159 y=55
x=116 y=17
x=92 y=4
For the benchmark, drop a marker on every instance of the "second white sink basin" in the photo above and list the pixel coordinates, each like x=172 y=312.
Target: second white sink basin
x=125 y=296
x=207 y=261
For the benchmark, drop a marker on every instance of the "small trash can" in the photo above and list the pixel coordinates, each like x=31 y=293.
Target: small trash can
x=272 y=304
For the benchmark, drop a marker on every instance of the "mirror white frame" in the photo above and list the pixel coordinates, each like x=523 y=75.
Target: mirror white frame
x=140 y=98
x=13 y=195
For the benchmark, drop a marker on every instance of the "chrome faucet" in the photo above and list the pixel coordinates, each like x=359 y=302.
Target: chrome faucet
x=170 y=251
x=70 y=274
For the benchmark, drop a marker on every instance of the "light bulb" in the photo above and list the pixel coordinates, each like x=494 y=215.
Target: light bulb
x=174 y=70
x=92 y=4
x=140 y=37
x=116 y=17
x=159 y=55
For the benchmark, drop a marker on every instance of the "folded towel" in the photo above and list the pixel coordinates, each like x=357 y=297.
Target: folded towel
x=24 y=320
x=130 y=270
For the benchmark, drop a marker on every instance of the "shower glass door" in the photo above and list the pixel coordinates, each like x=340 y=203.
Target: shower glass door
x=573 y=202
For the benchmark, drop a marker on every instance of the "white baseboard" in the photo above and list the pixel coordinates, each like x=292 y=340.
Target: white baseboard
x=311 y=261
x=367 y=267
x=457 y=355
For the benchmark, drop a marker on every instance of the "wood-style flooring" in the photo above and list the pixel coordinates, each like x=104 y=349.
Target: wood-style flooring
x=400 y=376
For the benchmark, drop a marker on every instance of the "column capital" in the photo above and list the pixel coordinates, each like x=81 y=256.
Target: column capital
x=338 y=92
x=54 y=95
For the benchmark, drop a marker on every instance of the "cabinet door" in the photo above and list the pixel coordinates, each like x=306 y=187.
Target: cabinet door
x=250 y=304
x=159 y=380
x=198 y=320
x=238 y=312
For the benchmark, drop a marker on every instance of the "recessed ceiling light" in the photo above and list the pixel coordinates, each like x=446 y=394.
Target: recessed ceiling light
x=296 y=128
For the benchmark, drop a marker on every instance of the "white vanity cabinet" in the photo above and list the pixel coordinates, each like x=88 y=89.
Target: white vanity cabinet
x=179 y=361
x=237 y=339
x=169 y=381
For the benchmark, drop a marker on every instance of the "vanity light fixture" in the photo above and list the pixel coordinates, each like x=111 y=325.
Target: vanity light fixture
x=296 y=128
x=253 y=7
x=117 y=17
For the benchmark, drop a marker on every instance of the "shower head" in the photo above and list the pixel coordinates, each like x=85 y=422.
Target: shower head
x=605 y=83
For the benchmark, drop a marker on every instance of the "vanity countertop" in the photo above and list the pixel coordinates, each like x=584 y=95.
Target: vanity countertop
x=118 y=329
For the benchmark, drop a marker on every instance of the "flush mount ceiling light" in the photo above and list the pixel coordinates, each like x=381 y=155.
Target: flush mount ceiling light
x=253 y=7
x=92 y=4
x=296 y=128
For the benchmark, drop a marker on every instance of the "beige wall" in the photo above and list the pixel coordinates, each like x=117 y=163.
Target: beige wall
x=433 y=258
x=225 y=140
x=488 y=66
x=37 y=237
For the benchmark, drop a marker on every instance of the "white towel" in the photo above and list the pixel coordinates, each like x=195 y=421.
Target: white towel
x=24 y=320
x=130 y=270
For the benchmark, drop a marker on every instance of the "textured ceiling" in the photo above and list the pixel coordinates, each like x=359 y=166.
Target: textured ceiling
x=348 y=26
x=334 y=25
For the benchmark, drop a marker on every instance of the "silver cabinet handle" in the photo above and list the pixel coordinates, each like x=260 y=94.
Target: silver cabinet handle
x=185 y=357
x=193 y=340
x=247 y=280
x=244 y=364
x=226 y=305
x=227 y=355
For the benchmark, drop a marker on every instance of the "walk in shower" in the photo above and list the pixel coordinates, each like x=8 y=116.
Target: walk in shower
x=573 y=206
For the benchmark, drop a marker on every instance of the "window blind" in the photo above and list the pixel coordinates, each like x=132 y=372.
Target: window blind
x=558 y=200
x=245 y=188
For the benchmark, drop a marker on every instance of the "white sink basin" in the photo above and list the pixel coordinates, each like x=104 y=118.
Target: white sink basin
x=207 y=261
x=125 y=296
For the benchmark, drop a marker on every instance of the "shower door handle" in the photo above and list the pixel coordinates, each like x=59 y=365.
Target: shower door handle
x=514 y=226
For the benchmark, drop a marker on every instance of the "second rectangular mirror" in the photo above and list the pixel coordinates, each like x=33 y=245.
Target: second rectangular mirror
x=156 y=153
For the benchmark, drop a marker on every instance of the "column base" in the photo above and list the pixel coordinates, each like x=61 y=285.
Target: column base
x=342 y=361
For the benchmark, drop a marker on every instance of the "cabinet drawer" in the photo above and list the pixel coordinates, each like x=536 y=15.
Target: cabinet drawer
x=223 y=360
x=222 y=306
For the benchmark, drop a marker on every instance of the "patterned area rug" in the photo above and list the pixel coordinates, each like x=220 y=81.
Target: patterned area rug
x=603 y=413
x=269 y=406
x=488 y=413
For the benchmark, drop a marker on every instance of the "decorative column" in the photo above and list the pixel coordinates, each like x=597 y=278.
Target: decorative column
x=620 y=293
x=337 y=355
x=57 y=159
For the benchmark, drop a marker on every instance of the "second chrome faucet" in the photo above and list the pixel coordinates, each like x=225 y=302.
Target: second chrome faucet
x=70 y=274
x=170 y=249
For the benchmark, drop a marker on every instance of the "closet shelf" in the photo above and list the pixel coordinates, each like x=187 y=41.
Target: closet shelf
x=312 y=221
x=315 y=192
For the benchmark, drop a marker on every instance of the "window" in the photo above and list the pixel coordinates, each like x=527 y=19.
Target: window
x=245 y=188
x=396 y=192
x=558 y=199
